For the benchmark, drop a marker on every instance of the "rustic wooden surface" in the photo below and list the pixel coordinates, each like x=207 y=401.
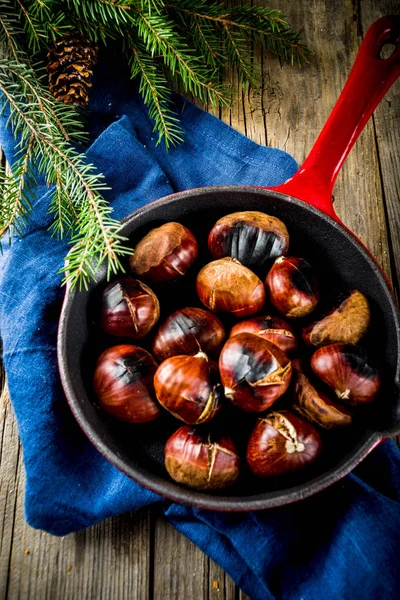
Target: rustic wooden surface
x=140 y=556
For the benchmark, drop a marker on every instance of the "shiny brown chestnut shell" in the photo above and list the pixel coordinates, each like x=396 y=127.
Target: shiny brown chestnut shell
x=273 y=329
x=252 y=237
x=226 y=285
x=123 y=383
x=165 y=253
x=129 y=308
x=189 y=331
x=347 y=324
x=316 y=406
x=280 y=443
x=292 y=287
x=189 y=388
x=253 y=371
x=201 y=460
x=348 y=370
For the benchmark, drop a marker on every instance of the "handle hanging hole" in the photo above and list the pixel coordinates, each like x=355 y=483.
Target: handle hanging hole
x=387 y=50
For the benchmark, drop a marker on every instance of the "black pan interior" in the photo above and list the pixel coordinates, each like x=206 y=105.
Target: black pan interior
x=340 y=264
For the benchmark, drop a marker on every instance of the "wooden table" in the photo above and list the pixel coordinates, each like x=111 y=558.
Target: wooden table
x=139 y=555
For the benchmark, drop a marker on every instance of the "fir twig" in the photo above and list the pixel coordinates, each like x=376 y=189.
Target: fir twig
x=15 y=202
x=197 y=78
x=156 y=95
x=190 y=40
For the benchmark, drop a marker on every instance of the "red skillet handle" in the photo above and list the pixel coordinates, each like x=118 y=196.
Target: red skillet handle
x=369 y=80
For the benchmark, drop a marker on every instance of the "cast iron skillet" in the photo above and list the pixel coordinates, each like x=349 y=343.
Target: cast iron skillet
x=342 y=263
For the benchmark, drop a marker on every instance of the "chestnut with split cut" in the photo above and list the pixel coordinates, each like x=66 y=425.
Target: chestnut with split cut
x=292 y=287
x=165 y=253
x=123 y=382
x=226 y=285
x=201 y=460
x=189 y=388
x=348 y=370
x=129 y=308
x=253 y=371
x=273 y=329
x=347 y=324
x=252 y=237
x=189 y=331
x=282 y=442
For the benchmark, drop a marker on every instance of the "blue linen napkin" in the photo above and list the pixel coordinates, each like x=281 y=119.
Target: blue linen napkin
x=343 y=543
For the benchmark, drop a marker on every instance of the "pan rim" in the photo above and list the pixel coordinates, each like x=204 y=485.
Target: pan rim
x=171 y=490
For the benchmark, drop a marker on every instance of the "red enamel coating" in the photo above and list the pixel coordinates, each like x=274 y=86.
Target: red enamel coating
x=369 y=80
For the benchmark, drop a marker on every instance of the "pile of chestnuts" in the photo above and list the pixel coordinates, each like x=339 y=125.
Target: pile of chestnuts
x=297 y=379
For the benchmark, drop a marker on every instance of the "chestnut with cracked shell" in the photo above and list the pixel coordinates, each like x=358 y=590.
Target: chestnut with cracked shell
x=253 y=371
x=347 y=324
x=273 y=329
x=129 y=308
x=201 y=460
x=226 y=285
x=188 y=331
x=123 y=382
x=189 y=388
x=316 y=406
x=292 y=287
x=165 y=253
x=282 y=442
x=348 y=370
x=252 y=237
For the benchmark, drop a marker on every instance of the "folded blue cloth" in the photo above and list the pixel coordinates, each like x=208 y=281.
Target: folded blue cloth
x=344 y=543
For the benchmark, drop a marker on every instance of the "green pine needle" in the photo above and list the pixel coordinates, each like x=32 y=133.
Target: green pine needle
x=188 y=41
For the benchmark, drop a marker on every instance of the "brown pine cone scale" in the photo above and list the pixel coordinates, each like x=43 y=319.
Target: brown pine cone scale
x=70 y=68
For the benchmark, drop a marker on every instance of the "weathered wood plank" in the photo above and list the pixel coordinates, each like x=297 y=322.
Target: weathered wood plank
x=10 y=473
x=180 y=568
x=110 y=560
x=387 y=126
x=221 y=586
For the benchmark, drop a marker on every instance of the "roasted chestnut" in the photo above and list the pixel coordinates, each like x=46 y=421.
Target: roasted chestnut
x=347 y=369
x=202 y=461
x=316 y=406
x=123 y=382
x=165 y=253
x=254 y=372
x=280 y=443
x=292 y=287
x=129 y=308
x=189 y=331
x=347 y=324
x=273 y=329
x=189 y=388
x=251 y=237
x=225 y=285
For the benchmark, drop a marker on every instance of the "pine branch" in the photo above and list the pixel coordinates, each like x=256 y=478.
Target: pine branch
x=113 y=15
x=15 y=203
x=95 y=226
x=191 y=40
x=236 y=47
x=48 y=19
x=156 y=95
x=258 y=22
x=6 y=36
x=203 y=37
x=30 y=26
x=197 y=78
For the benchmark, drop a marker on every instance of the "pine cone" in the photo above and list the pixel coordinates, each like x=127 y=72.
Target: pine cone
x=70 y=67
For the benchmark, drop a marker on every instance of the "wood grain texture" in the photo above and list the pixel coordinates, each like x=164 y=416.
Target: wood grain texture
x=140 y=556
x=386 y=120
